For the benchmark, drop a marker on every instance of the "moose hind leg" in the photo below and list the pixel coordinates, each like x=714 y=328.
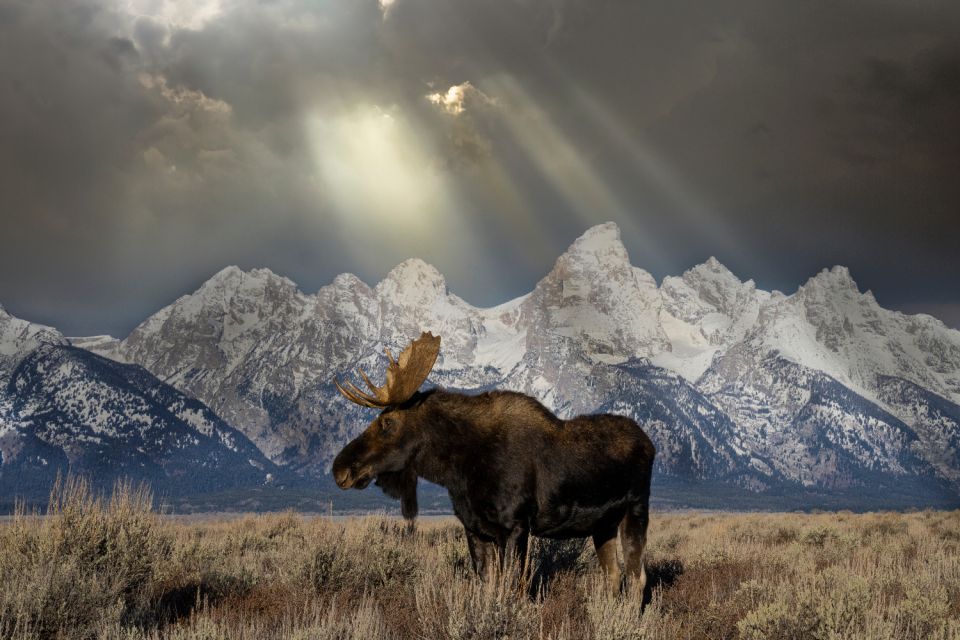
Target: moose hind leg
x=633 y=539
x=605 y=542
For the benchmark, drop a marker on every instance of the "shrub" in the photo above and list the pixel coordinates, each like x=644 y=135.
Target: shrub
x=453 y=608
x=110 y=569
x=87 y=564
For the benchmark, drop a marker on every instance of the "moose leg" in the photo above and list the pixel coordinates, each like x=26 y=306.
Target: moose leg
x=605 y=542
x=633 y=539
x=482 y=552
x=515 y=549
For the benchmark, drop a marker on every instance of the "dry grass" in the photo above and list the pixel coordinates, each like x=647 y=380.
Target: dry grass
x=112 y=570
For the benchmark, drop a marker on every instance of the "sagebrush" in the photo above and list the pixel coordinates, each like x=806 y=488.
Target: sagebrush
x=95 y=568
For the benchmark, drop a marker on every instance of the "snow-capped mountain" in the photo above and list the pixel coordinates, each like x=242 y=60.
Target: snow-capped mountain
x=17 y=339
x=830 y=326
x=822 y=389
x=829 y=330
x=705 y=310
x=66 y=409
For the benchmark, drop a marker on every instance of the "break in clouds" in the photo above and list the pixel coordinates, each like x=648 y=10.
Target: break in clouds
x=148 y=143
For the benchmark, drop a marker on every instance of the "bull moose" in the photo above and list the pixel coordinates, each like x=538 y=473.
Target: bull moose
x=511 y=467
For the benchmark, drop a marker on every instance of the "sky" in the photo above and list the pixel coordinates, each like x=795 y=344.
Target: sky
x=146 y=144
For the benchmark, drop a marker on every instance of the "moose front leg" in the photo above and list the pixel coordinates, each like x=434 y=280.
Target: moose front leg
x=514 y=549
x=483 y=553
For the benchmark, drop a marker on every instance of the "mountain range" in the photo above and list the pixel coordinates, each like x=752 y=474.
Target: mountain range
x=821 y=397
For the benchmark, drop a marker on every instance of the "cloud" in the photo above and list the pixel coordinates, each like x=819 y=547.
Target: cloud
x=175 y=14
x=464 y=122
x=146 y=143
x=454 y=100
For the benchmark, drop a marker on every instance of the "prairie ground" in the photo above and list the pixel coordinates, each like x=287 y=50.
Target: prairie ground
x=114 y=569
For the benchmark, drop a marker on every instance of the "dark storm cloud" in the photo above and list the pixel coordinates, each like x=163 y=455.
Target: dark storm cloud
x=144 y=145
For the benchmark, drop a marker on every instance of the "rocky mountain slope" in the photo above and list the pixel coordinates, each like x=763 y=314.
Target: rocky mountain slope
x=63 y=409
x=17 y=339
x=821 y=391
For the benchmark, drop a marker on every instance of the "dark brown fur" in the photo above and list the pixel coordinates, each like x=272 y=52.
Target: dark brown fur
x=513 y=468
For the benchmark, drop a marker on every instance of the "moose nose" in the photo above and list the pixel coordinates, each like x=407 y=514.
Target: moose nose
x=342 y=477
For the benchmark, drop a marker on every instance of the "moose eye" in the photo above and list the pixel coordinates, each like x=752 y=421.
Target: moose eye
x=387 y=423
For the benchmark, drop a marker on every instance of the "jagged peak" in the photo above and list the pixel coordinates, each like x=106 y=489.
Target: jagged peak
x=263 y=272
x=599 y=244
x=348 y=280
x=835 y=278
x=12 y=322
x=345 y=284
x=414 y=271
x=230 y=271
x=712 y=268
x=413 y=282
x=600 y=240
x=228 y=277
x=599 y=236
x=233 y=277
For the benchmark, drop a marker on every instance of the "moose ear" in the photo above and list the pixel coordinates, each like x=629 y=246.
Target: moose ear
x=403 y=486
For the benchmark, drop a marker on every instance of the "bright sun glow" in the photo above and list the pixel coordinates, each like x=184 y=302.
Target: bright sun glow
x=375 y=169
x=385 y=6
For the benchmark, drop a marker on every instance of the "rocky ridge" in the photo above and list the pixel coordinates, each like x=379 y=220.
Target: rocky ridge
x=820 y=390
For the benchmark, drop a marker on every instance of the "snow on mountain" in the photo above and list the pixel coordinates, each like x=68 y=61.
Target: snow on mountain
x=19 y=337
x=247 y=344
x=816 y=431
x=72 y=409
x=705 y=311
x=830 y=329
x=255 y=348
x=595 y=303
x=822 y=388
x=106 y=346
x=830 y=326
x=414 y=297
x=934 y=420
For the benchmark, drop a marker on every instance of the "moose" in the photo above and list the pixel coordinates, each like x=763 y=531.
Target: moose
x=512 y=467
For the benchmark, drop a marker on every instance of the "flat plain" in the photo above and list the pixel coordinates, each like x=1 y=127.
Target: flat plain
x=113 y=568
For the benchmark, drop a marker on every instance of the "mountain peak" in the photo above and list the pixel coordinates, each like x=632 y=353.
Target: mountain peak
x=415 y=270
x=18 y=337
x=413 y=279
x=599 y=246
x=837 y=278
x=714 y=265
x=348 y=281
x=598 y=238
x=228 y=277
x=228 y=272
x=235 y=278
x=712 y=268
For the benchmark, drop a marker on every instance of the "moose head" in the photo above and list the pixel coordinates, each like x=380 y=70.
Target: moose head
x=386 y=448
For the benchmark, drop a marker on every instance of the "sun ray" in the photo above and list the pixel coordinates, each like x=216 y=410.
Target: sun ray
x=564 y=167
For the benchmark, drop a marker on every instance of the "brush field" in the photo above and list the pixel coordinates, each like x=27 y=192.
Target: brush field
x=114 y=569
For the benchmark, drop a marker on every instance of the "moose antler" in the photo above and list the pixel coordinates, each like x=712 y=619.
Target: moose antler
x=404 y=375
